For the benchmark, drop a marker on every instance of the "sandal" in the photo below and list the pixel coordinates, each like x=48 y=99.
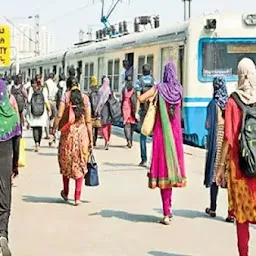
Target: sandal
x=230 y=219
x=166 y=220
x=77 y=203
x=210 y=212
x=65 y=198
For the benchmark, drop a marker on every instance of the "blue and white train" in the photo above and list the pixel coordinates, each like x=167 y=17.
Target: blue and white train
x=202 y=48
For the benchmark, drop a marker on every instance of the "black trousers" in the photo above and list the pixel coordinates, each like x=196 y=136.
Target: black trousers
x=128 y=132
x=214 y=194
x=95 y=135
x=5 y=185
x=37 y=134
x=16 y=152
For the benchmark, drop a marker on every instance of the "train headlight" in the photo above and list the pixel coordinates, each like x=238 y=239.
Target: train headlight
x=211 y=24
x=250 y=19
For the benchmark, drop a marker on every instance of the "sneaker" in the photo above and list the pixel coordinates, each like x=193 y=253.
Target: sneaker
x=5 y=247
x=143 y=164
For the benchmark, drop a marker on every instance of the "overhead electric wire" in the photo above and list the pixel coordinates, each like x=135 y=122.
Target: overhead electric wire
x=93 y=2
x=9 y=21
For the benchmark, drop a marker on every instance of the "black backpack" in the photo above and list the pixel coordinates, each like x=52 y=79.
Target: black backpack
x=59 y=96
x=114 y=109
x=19 y=96
x=37 y=102
x=247 y=139
x=94 y=101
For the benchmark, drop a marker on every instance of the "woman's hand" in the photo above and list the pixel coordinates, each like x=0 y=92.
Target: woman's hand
x=137 y=117
x=90 y=148
x=220 y=175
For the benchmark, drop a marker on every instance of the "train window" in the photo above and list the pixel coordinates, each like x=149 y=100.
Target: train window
x=86 y=76
x=116 y=74
x=91 y=69
x=150 y=61
x=110 y=72
x=141 y=62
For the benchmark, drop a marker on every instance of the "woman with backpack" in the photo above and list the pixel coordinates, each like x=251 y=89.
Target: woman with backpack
x=167 y=165
x=128 y=103
x=215 y=126
x=39 y=110
x=241 y=185
x=94 y=97
x=76 y=138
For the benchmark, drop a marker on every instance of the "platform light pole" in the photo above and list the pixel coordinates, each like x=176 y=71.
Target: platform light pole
x=187 y=9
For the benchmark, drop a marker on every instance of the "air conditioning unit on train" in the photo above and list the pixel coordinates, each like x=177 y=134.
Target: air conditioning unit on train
x=211 y=24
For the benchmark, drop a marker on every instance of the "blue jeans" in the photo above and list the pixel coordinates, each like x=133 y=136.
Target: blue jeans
x=143 y=147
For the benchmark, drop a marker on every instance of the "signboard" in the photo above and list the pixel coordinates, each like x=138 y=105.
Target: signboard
x=242 y=48
x=5 y=46
x=217 y=72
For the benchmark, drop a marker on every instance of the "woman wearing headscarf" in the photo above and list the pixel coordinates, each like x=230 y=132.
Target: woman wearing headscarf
x=76 y=141
x=94 y=98
x=9 y=128
x=215 y=127
x=103 y=110
x=167 y=165
x=241 y=189
x=128 y=105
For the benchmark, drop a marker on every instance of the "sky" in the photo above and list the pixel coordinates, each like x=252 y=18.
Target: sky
x=64 y=18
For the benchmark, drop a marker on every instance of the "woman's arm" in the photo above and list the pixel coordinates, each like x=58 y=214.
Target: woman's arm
x=88 y=122
x=223 y=159
x=147 y=95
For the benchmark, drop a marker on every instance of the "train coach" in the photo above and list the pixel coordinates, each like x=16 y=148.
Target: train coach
x=208 y=46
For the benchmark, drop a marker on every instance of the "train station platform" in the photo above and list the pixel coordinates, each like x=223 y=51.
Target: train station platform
x=119 y=217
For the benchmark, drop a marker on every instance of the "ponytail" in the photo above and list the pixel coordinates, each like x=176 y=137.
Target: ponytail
x=77 y=101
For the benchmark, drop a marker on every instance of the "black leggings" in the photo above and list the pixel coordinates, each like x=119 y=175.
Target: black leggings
x=128 y=131
x=16 y=153
x=37 y=134
x=95 y=135
x=214 y=195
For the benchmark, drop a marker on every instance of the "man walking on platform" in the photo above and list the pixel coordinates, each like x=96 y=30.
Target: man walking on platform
x=145 y=83
x=52 y=91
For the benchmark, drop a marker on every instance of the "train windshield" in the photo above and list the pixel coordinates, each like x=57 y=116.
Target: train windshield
x=220 y=57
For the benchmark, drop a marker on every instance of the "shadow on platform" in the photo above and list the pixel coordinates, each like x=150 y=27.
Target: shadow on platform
x=191 y=214
x=156 y=253
x=48 y=154
x=126 y=216
x=121 y=165
x=48 y=200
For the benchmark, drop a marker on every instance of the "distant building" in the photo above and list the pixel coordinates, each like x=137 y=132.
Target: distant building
x=23 y=39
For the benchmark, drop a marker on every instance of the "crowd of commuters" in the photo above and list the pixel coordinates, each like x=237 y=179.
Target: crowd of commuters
x=81 y=118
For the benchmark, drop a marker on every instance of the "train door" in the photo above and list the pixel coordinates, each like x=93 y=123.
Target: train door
x=41 y=71
x=130 y=58
x=79 y=71
x=54 y=69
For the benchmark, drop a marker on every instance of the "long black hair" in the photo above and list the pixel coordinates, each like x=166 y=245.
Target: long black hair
x=76 y=99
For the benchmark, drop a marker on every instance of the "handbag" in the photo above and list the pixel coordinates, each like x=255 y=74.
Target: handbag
x=22 y=153
x=150 y=118
x=92 y=177
x=68 y=118
x=96 y=123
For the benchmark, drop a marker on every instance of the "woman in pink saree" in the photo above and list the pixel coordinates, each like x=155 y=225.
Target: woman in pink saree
x=167 y=165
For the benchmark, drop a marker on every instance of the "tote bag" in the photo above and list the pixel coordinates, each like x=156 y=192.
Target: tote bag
x=92 y=176
x=150 y=118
